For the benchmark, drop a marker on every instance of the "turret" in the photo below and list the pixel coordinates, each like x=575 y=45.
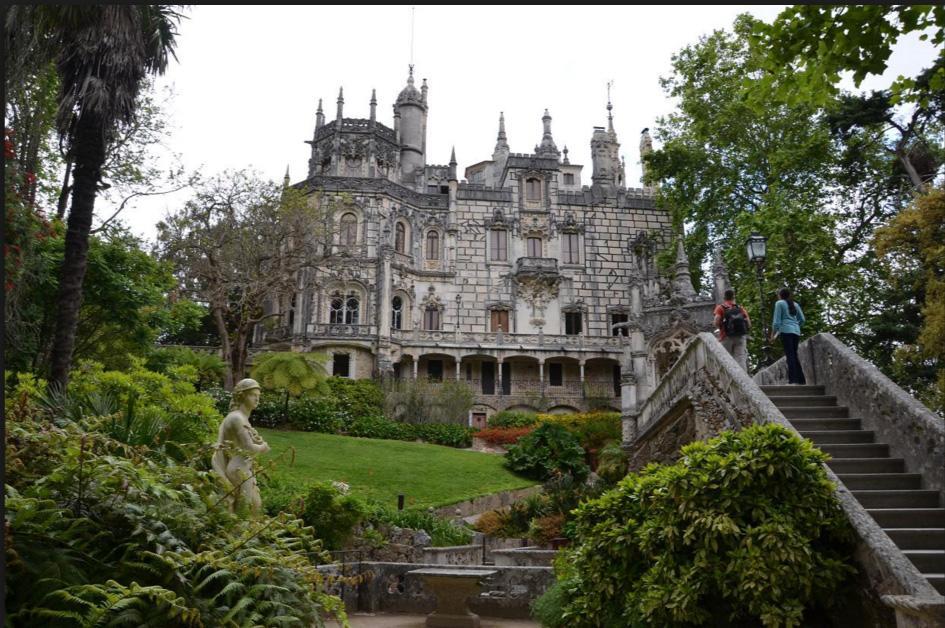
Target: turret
x=547 y=147
x=341 y=105
x=319 y=116
x=646 y=147
x=373 y=107
x=608 y=170
x=411 y=109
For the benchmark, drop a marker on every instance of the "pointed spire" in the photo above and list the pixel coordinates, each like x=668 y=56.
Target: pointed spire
x=285 y=179
x=565 y=151
x=646 y=147
x=547 y=148
x=373 y=106
x=319 y=116
x=341 y=101
x=610 y=115
x=453 y=164
x=682 y=282
x=423 y=92
x=501 y=142
x=410 y=76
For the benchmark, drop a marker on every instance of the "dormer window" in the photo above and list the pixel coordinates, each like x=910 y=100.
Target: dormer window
x=532 y=189
x=568 y=179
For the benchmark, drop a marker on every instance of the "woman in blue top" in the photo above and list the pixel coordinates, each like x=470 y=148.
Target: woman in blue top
x=787 y=322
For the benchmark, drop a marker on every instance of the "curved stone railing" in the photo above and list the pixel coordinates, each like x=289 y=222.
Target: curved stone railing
x=912 y=431
x=708 y=384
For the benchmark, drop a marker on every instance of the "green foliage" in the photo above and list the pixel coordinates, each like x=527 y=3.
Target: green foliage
x=423 y=401
x=613 y=463
x=358 y=397
x=289 y=371
x=547 y=609
x=209 y=367
x=550 y=449
x=513 y=418
x=331 y=514
x=745 y=527
x=443 y=533
x=818 y=43
x=101 y=533
x=592 y=429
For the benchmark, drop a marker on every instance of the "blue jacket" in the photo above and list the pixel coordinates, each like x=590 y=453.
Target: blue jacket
x=783 y=321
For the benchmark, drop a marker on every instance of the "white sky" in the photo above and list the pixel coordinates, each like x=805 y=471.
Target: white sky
x=249 y=78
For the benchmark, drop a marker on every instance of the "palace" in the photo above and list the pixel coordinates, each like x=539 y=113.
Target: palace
x=536 y=290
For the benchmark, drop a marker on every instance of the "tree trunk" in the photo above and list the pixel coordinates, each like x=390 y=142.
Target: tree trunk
x=89 y=147
x=64 y=192
x=225 y=350
x=917 y=182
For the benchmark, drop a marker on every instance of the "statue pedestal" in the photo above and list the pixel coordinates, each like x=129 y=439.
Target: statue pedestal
x=452 y=588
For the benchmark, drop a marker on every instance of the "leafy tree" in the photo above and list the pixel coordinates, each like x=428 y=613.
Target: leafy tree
x=125 y=304
x=548 y=450
x=726 y=170
x=102 y=54
x=805 y=50
x=912 y=243
x=237 y=247
x=293 y=373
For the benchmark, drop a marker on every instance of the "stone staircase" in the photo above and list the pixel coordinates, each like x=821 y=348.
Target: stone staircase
x=912 y=517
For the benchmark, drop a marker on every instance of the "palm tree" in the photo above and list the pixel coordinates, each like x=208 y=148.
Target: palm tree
x=102 y=54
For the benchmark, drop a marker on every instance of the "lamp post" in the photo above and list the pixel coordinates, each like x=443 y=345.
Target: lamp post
x=756 y=248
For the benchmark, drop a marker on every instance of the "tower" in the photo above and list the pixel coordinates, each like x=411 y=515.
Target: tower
x=608 y=172
x=411 y=117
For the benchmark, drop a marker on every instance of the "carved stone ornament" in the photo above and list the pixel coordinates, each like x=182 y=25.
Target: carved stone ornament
x=432 y=299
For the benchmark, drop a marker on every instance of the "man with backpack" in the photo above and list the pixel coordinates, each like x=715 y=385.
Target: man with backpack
x=733 y=324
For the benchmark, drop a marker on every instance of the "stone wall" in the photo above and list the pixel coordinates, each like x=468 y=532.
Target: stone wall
x=531 y=556
x=453 y=555
x=486 y=502
x=912 y=431
x=386 y=588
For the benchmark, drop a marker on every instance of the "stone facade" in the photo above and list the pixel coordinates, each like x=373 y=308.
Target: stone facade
x=538 y=291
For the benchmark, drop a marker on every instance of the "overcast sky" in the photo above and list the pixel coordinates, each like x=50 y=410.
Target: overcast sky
x=248 y=78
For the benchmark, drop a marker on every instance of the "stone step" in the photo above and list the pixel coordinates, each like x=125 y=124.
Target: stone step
x=897 y=499
x=908 y=517
x=791 y=390
x=815 y=412
x=813 y=425
x=927 y=561
x=917 y=538
x=937 y=580
x=862 y=450
x=881 y=481
x=867 y=465
x=787 y=401
x=832 y=437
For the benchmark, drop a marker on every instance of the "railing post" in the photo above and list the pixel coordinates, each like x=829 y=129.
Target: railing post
x=541 y=377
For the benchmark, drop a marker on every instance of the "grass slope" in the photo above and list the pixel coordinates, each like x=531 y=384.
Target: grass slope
x=427 y=475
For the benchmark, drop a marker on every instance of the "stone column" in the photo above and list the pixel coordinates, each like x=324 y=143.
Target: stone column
x=416 y=366
x=385 y=283
x=583 y=393
x=541 y=377
x=498 y=375
x=457 y=369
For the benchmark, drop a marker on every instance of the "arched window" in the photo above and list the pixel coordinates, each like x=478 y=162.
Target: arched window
x=433 y=245
x=349 y=230
x=431 y=318
x=532 y=189
x=352 y=310
x=400 y=238
x=498 y=245
x=336 y=311
x=397 y=313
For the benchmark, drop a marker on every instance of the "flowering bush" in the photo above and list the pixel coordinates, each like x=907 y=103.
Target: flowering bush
x=503 y=435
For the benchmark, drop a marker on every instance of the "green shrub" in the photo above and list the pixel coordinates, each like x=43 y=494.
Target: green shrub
x=548 y=450
x=743 y=528
x=423 y=401
x=547 y=609
x=209 y=367
x=613 y=463
x=449 y=434
x=331 y=515
x=357 y=397
x=512 y=418
x=593 y=429
x=442 y=532
x=317 y=413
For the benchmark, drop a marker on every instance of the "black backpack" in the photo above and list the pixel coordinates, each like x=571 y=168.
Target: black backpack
x=734 y=321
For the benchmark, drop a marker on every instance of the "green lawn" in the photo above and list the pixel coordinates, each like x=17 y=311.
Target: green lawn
x=379 y=470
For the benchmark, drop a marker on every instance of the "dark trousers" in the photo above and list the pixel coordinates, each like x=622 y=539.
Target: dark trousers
x=795 y=373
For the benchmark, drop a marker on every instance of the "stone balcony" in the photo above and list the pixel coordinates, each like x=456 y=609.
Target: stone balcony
x=535 y=267
x=501 y=340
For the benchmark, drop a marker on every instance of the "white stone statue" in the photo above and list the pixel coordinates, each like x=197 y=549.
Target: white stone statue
x=237 y=444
